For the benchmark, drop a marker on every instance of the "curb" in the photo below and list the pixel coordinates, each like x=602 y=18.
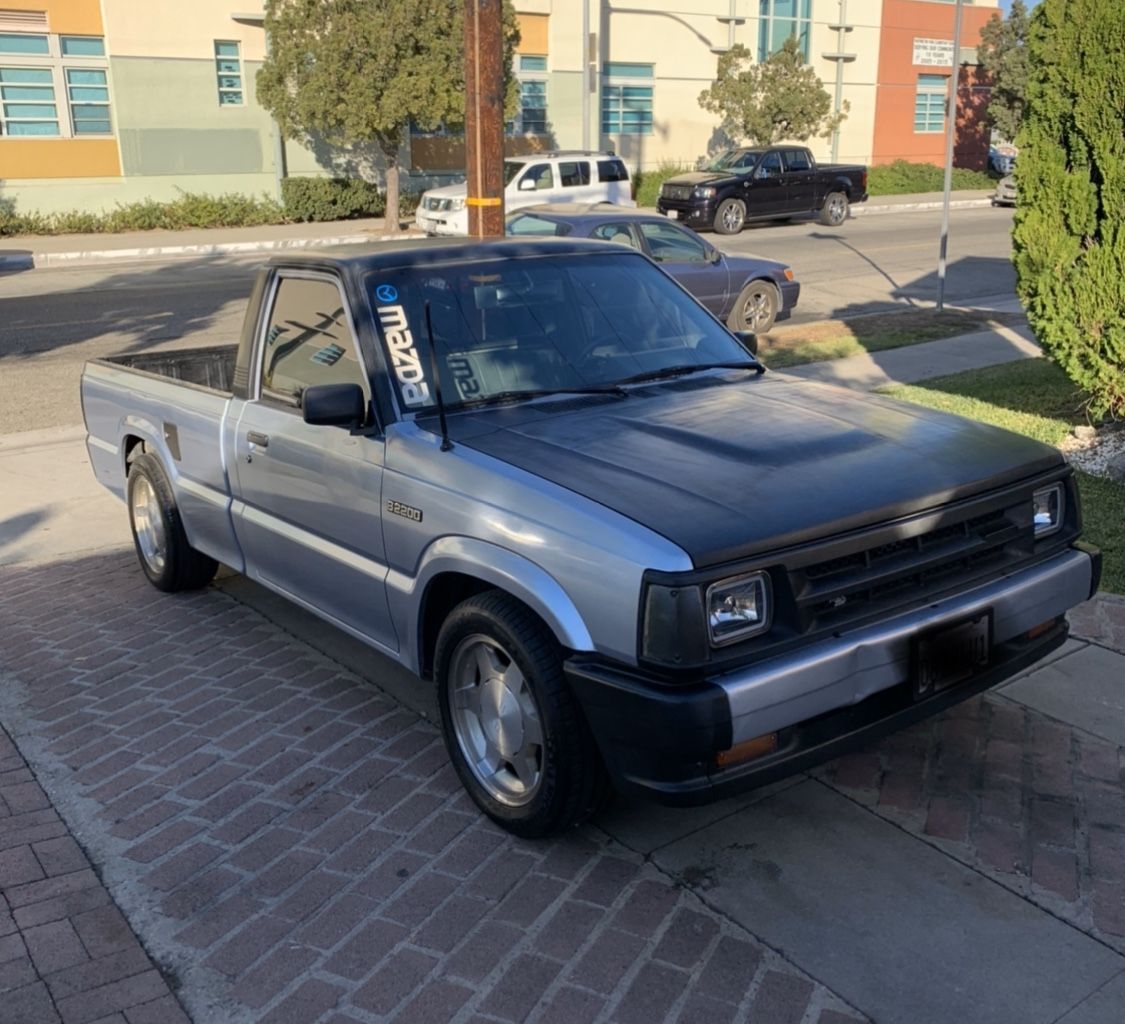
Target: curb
x=30 y=261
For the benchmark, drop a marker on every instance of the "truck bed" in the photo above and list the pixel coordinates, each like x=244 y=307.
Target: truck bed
x=211 y=368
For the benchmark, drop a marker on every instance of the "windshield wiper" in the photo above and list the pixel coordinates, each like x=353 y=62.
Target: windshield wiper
x=514 y=396
x=680 y=371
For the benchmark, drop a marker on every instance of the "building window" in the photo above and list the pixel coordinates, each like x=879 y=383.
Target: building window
x=88 y=92
x=28 y=103
x=780 y=19
x=532 y=77
x=40 y=73
x=228 y=68
x=627 y=99
x=929 y=103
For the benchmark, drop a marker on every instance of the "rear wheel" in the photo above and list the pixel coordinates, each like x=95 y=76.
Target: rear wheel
x=755 y=309
x=730 y=217
x=835 y=209
x=513 y=729
x=168 y=560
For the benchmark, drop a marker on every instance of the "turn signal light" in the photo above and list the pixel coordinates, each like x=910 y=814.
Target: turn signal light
x=1043 y=627
x=788 y=274
x=759 y=746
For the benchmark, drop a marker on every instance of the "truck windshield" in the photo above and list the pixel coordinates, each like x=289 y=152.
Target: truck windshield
x=533 y=325
x=734 y=160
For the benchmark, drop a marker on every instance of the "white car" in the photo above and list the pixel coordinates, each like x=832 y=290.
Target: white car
x=577 y=176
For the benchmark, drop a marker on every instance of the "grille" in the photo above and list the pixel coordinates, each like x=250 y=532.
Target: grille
x=677 y=192
x=842 y=589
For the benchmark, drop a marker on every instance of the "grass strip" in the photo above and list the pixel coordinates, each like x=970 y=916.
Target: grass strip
x=1034 y=397
x=837 y=339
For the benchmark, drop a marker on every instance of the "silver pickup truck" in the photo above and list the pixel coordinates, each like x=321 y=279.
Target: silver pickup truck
x=540 y=475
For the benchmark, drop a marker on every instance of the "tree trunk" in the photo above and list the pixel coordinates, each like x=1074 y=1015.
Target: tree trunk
x=390 y=155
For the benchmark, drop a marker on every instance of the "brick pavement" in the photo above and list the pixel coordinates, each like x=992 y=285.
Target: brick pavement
x=292 y=846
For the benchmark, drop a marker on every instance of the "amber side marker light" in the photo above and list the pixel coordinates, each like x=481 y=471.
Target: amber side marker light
x=1043 y=627
x=759 y=746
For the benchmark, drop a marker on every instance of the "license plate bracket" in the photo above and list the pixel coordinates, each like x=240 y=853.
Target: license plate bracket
x=949 y=654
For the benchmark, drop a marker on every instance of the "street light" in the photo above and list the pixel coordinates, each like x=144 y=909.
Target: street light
x=950 y=127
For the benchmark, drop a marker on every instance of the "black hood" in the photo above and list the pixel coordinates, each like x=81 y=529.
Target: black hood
x=694 y=178
x=728 y=468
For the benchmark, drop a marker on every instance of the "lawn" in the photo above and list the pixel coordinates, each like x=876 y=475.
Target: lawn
x=1034 y=397
x=835 y=339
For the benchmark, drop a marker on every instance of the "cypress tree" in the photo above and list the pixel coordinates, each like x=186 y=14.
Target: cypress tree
x=1069 y=236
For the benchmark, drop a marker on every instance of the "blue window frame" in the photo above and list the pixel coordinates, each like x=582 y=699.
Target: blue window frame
x=780 y=19
x=627 y=99
x=228 y=69
x=531 y=74
x=929 y=104
x=27 y=102
x=82 y=46
x=87 y=89
x=24 y=44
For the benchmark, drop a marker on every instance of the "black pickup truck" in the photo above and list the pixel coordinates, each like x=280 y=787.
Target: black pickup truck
x=763 y=183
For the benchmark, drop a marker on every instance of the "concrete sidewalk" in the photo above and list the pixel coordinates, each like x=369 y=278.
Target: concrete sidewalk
x=27 y=252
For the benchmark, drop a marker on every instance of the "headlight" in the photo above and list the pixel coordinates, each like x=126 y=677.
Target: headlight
x=1047 y=509
x=705 y=192
x=738 y=608
x=457 y=204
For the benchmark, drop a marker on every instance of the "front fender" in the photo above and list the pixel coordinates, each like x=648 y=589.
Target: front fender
x=497 y=566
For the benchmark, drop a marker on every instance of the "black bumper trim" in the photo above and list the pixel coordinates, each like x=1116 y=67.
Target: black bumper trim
x=661 y=742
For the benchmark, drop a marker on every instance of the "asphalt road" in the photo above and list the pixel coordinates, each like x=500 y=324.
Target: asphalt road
x=51 y=321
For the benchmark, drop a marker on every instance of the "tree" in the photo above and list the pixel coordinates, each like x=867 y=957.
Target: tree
x=359 y=72
x=780 y=98
x=1003 y=52
x=1069 y=236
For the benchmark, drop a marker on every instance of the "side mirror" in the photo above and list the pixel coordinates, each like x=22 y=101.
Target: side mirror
x=333 y=405
x=527 y=185
x=749 y=339
x=714 y=256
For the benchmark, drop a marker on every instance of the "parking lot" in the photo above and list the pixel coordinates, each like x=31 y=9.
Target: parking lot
x=212 y=806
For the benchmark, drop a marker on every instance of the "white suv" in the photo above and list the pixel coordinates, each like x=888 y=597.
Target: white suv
x=578 y=176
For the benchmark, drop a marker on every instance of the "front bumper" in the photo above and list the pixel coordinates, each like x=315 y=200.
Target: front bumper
x=790 y=293
x=697 y=214
x=829 y=697
x=444 y=224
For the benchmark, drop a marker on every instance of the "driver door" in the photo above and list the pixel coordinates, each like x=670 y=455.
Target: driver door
x=769 y=193
x=307 y=509
x=535 y=185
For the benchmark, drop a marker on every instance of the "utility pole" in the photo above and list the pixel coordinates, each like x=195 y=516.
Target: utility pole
x=484 y=118
x=840 y=57
x=950 y=129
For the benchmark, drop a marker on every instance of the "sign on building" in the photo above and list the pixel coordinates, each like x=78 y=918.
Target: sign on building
x=933 y=53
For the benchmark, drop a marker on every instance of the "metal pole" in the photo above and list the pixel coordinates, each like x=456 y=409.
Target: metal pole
x=840 y=38
x=585 y=55
x=950 y=129
x=484 y=118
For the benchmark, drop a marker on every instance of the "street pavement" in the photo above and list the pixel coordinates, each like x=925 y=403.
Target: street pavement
x=212 y=806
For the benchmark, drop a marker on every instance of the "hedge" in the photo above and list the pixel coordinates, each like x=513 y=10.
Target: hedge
x=904 y=178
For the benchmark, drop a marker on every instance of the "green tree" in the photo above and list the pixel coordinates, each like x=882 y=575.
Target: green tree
x=1069 y=236
x=1003 y=52
x=780 y=98
x=357 y=73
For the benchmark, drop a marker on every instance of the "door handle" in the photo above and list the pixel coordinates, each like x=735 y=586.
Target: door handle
x=261 y=440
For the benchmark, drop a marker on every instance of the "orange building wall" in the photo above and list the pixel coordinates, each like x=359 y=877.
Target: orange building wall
x=68 y=17
x=895 y=139
x=30 y=157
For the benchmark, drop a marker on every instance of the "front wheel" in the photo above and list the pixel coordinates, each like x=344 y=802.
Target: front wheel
x=755 y=309
x=513 y=729
x=835 y=209
x=168 y=560
x=730 y=217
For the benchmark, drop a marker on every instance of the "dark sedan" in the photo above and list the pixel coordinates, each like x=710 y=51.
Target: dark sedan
x=748 y=292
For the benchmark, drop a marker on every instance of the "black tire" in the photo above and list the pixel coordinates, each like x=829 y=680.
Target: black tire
x=730 y=217
x=835 y=209
x=570 y=782
x=168 y=560
x=756 y=308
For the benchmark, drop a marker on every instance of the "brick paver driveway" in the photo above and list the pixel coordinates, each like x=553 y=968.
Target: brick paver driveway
x=291 y=846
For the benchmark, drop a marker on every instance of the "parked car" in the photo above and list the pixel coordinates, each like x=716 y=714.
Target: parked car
x=1005 y=194
x=539 y=475
x=763 y=183
x=578 y=176
x=1001 y=160
x=748 y=292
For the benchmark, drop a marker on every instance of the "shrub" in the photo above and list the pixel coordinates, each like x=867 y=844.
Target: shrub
x=308 y=199
x=646 y=184
x=1069 y=236
x=903 y=177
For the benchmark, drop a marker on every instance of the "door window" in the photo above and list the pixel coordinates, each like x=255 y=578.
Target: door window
x=615 y=232
x=541 y=175
x=530 y=224
x=573 y=174
x=668 y=242
x=612 y=170
x=308 y=341
x=797 y=160
x=770 y=167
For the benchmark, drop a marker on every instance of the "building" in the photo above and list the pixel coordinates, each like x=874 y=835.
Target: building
x=107 y=101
